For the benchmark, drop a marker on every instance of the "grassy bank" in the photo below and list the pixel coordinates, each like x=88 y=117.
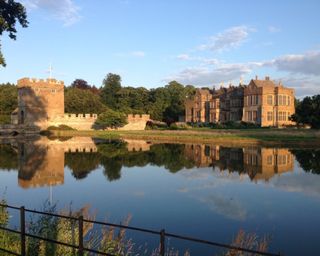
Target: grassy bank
x=251 y=136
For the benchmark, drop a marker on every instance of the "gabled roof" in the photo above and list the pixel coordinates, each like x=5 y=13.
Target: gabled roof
x=263 y=83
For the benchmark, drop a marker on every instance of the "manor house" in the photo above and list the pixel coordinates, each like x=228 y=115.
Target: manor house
x=41 y=104
x=262 y=102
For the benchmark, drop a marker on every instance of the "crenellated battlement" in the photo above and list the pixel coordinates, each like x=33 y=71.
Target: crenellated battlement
x=138 y=117
x=80 y=116
x=29 y=82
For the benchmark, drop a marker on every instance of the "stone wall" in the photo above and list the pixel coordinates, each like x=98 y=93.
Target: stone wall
x=75 y=121
x=87 y=121
x=136 y=122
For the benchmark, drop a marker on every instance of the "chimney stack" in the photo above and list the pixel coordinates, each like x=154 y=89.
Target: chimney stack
x=267 y=78
x=256 y=77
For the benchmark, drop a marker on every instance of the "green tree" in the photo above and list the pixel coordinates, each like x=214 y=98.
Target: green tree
x=111 y=119
x=133 y=100
x=159 y=99
x=167 y=103
x=110 y=90
x=308 y=111
x=10 y=13
x=82 y=101
x=83 y=85
x=8 y=101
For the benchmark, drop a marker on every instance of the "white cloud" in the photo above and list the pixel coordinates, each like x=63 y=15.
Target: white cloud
x=206 y=75
x=228 y=39
x=304 y=183
x=139 y=54
x=183 y=57
x=64 y=10
x=226 y=207
x=307 y=64
x=273 y=29
x=303 y=85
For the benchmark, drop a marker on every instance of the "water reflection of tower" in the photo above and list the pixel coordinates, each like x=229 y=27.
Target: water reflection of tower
x=41 y=162
x=40 y=165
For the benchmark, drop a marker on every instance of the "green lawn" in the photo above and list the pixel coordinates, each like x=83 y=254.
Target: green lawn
x=205 y=135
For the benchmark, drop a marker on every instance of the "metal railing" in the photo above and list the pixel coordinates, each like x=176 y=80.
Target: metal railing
x=81 y=248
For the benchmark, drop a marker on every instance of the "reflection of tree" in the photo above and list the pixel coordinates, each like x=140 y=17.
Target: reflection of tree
x=8 y=157
x=82 y=163
x=112 y=168
x=115 y=154
x=308 y=159
x=171 y=156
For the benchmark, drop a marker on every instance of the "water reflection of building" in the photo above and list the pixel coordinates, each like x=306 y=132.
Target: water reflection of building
x=41 y=162
x=138 y=145
x=257 y=162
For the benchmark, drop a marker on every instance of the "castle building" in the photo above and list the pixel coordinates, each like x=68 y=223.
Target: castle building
x=214 y=106
x=267 y=103
x=262 y=102
x=41 y=105
x=39 y=101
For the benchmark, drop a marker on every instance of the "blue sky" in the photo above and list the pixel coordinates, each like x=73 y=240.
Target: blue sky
x=150 y=42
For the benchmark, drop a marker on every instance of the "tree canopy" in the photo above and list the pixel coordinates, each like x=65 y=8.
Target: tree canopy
x=111 y=119
x=308 y=111
x=83 y=85
x=82 y=101
x=11 y=12
x=8 y=101
x=110 y=88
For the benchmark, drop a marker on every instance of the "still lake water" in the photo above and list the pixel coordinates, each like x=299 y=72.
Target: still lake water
x=205 y=191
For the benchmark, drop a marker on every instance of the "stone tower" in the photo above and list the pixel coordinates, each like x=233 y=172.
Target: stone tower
x=40 y=101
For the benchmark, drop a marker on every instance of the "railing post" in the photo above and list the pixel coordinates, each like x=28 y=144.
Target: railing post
x=80 y=250
x=162 y=242
x=23 y=231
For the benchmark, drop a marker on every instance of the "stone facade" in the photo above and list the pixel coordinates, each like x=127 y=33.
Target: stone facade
x=40 y=101
x=214 y=106
x=41 y=104
x=267 y=103
x=262 y=102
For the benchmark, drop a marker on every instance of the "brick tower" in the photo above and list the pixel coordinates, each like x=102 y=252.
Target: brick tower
x=40 y=101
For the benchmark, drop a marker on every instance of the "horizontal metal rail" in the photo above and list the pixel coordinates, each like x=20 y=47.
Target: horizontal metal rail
x=81 y=248
x=10 y=252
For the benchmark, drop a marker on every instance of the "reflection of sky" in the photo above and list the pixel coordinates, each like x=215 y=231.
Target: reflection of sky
x=200 y=202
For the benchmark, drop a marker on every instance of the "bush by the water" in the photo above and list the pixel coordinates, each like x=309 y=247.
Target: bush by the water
x=111 y=119
x=179 y=126
x=156 y=125
x=61 y=127
x=226 y=125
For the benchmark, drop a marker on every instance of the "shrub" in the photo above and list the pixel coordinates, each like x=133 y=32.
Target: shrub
x=111 y=119
x=156 y=125
x=178 y=126
x=61 y=127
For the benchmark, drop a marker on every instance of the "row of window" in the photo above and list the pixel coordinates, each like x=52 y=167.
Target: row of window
x=278 y=159
x=280 y=100
x=252 y=100
x=281 y=116
x=252 y=159
x=252 y=115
